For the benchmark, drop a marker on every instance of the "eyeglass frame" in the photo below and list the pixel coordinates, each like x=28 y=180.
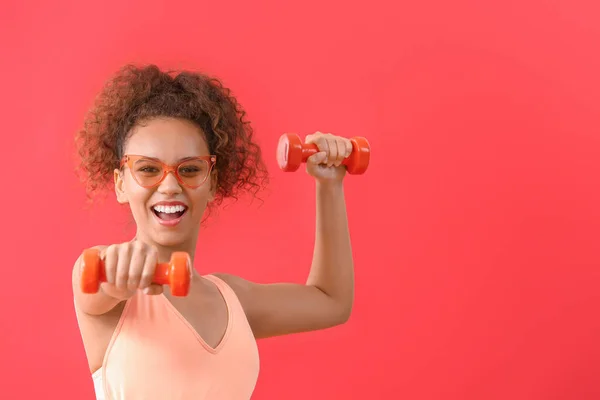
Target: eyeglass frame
x=130 y=159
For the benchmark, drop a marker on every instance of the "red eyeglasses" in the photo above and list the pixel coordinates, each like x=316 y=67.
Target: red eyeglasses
x=149 y=172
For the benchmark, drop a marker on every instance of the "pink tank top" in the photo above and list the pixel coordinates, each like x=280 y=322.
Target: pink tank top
x=155 y=353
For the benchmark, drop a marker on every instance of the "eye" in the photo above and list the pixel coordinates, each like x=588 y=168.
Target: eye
x=148 y=169
x=193 y=168
x=189 y=169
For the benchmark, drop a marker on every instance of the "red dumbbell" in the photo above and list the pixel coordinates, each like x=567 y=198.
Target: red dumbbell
x=291 y=152
x=176 y=273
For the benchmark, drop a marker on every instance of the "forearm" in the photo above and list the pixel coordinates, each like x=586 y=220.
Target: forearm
x=332 y=269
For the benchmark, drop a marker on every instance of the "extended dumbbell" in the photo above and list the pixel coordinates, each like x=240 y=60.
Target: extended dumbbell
x=291 y=152
x=176 y=273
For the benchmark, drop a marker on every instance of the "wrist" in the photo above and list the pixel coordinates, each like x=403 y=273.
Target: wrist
x=330 y=186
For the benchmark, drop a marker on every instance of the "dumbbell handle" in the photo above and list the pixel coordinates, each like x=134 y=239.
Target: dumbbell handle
x=161 y=273
x=308 y=149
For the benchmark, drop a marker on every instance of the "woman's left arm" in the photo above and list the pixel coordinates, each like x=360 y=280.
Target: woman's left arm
x=327 y=297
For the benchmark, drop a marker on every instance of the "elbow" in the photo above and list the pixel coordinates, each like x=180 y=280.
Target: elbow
x=345 y=315
x=336 y=310
x=342 y=314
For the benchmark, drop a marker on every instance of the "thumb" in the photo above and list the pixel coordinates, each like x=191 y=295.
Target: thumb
x=317 y=158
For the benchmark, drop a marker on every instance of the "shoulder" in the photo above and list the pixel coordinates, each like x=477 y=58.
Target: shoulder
x=238 y=284
x=230 y=279
x=242 y=288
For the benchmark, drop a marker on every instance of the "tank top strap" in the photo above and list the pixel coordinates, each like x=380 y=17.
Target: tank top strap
x=224 y=288
x=231 y=298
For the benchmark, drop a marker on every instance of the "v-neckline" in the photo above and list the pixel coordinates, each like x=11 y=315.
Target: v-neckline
x=209 y=348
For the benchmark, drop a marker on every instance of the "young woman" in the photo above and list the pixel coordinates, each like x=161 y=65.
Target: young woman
x=174 y=145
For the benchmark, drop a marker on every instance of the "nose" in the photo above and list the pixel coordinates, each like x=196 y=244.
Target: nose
x=170 y=185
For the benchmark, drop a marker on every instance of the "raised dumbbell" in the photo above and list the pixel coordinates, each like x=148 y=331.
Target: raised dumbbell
x=176 y=273
x=291 y=152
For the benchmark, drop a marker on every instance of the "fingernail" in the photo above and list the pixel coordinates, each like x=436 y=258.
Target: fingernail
x=146 y=290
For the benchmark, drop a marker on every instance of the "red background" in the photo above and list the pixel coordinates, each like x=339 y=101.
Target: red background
x=475 y=229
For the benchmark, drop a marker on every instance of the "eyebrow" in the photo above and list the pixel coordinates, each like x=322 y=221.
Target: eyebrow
x=188 y=158
x=179 y=160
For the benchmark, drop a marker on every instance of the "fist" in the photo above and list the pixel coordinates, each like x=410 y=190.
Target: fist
x=326 y=164
x=128 y=267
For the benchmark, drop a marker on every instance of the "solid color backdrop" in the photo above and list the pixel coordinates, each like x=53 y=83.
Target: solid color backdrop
x=475 y=230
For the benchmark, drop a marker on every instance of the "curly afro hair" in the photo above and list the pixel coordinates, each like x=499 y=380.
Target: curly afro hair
x=136 y=94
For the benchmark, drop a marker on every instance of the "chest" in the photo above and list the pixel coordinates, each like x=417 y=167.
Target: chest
x=206 y=314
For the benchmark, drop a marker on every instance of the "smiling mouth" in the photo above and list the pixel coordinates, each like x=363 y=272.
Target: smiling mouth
x=169 y=213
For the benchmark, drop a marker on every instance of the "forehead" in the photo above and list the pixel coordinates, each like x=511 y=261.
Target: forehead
x=168 y=139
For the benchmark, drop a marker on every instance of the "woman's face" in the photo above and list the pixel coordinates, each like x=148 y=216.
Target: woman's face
x=168 y=214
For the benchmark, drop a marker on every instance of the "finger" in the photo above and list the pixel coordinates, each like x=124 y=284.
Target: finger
x=348 y=148
x=322 y=144
x=123 y=266
x=343 y=152
x=312 y=138
x=317 y=158
x=153 y=289
x=332 y=157
x=110 y=263
x=136 y=266
x=322 y=147
x=149 y=267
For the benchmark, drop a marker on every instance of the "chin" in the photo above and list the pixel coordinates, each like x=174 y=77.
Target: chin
x=170 y=239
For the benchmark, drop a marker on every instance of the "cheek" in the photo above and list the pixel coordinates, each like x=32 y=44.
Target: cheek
x=199 y=199
x=138 y=197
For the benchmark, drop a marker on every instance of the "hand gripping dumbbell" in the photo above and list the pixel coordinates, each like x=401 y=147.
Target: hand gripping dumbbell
x=291 y=152
x=176 y=273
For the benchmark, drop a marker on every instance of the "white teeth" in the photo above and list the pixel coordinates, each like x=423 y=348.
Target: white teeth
x=169 y=209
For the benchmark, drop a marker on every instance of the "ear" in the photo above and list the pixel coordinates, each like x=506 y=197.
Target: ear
x=213 y=185
x=119 y=183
